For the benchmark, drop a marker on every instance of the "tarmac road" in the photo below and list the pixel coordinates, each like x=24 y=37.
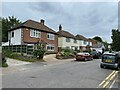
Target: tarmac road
x=70 y=74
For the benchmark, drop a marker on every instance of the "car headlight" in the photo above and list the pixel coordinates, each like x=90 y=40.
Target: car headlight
x=116 y=64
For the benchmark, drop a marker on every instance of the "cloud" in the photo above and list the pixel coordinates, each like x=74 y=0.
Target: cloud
x=86 y=18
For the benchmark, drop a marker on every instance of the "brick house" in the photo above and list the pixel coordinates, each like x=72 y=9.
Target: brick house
x=32 y=32
x=96 y=45
x=85 y=44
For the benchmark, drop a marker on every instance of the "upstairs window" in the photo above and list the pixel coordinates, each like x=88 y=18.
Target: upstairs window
x=85 y=42
x=67 y=39
x=75 y=41
x=50 y=36
x=12 y=34
x=34 y=33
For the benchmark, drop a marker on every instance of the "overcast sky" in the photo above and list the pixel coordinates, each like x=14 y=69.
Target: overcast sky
x=85 y=18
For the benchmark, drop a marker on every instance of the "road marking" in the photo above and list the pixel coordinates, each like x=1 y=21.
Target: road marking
x=112 y=84
x=108 y=79
x=105 y=84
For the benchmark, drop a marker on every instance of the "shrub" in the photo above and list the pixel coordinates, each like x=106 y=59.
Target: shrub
x=68 y=52
x=4 y=65
x=4 y=61
x=39 y=53
x=7 y=53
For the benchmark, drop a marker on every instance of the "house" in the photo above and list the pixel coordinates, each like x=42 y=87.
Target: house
x=96 y=45
x=84 y=43
x=67 y=40
x=31 y=32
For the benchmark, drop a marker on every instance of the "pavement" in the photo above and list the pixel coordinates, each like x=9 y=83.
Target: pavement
x=17 y=66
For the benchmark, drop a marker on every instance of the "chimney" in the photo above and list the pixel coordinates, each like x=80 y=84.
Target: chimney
x=42 y=21
x=60 y=27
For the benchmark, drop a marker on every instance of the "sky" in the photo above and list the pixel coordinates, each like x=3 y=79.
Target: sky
x=85 y=18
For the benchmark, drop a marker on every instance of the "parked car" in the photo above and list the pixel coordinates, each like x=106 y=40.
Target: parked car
x=96 y=54
x=84 y=56
x=111 y=60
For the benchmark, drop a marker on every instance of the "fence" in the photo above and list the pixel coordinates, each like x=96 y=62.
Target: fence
x=20 y=48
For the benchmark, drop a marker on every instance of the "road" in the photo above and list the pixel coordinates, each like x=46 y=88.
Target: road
x=71 y=74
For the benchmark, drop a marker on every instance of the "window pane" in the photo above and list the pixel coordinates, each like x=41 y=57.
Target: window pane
x=67 y=39
x=50 y=36
x=12 y=34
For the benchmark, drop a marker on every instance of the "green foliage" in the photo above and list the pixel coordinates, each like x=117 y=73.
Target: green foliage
x=7 y=53
x=106 y=45
x=67 y=52
x=115 y=40
x=4 y=61
x=7 y=24
x=4 y=65
x=19 y=56
x=97 y=38
x=40 y=51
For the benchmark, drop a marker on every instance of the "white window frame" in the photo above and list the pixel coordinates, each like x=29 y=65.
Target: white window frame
x=35 y=33
x=50 y=45
x=51 y=36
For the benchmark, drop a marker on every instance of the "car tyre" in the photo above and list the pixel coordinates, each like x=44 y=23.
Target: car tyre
x=118 y=68
x=101 y=66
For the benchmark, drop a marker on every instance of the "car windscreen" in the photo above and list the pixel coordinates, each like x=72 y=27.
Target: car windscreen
x=94 y=52
x=110 y=57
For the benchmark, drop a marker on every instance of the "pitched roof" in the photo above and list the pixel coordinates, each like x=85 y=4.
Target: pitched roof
x=63 y=33
x=35 y=25
x=92 y=40
x=80 y=37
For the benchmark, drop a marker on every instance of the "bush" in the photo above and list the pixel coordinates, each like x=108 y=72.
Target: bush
x=4 y=64
x=39 y=53
x=67 y=52
x=7 y=53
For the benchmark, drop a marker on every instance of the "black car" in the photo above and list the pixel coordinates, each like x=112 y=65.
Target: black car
x=96 y=55
x=111 y=60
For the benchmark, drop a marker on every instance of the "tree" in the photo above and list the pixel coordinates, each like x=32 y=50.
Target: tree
x=105 y=43
x=115 y=39
x=97 y=38
x=7 y=24
x=0 y=31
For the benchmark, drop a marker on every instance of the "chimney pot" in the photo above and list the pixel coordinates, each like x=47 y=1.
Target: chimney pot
x=42 y=21
x=60 y=27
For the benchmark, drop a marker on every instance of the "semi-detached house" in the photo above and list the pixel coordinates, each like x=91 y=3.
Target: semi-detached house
x=67 y=40
x=32 y=32
x=85 y=44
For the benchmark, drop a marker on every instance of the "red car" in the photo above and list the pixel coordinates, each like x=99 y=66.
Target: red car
x=84 y=56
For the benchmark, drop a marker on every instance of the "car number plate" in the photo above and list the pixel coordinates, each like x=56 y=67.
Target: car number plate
x=108 y=61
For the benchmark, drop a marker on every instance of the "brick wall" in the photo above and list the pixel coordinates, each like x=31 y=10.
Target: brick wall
x=27 y=39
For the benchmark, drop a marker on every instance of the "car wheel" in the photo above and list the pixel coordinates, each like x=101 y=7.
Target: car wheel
x=91 y=58
x=118 y=68
x=101 y=66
